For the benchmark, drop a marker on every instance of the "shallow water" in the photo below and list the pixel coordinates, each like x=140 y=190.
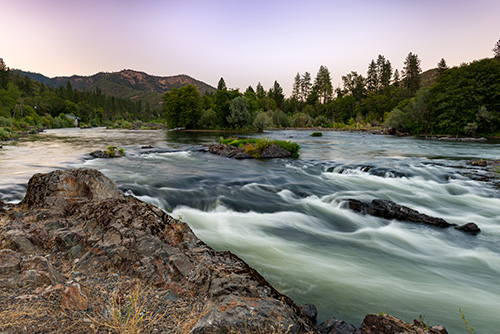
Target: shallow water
x=285 y=217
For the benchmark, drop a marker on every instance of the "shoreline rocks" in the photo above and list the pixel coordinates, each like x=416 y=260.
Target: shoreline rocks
x=77 y=247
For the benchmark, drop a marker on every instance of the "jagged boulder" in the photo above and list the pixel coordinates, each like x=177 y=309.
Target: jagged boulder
x=83 y=217
x=59 y=187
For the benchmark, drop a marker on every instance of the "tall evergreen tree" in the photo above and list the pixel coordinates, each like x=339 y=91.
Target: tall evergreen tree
x=323 y=84
x=372 y=79
x=222 y=84
x=306 y=86
x=385 y=74
x=260 y=91
x=411 y=73
x=296 y=89
x=441 y=66
x=496 y=50
x=276 y=93
x=396 y=78
x=355 y=83
x=4 y=74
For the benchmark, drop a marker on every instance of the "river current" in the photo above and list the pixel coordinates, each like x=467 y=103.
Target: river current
x=286 y=219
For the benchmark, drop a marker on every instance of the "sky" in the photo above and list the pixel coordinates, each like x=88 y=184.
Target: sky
x=245 y=42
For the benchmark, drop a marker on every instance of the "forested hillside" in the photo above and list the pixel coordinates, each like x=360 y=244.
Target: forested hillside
x=27 y=105
x=125 y=84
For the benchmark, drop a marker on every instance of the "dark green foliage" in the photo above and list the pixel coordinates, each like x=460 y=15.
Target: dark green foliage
x=183 y=107
x=276 y=94
x=239 y=116
x=412 y=117
x=323 y=85
x=222 y=84
x=411 y=73
x=355 y=84
x=261 y=122
x=317 y=134
x=496 y=50
x=4 y=74
x=442 y=67
x=465 y=95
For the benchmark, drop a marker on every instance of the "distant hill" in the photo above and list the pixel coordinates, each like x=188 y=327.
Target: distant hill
x=126 y=84
x=429 y=77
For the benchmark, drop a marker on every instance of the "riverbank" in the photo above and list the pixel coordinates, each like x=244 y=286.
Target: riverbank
x=77 y=255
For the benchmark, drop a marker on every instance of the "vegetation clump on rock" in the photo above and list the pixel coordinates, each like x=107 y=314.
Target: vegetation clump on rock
x=260 y=148
x=111 y=152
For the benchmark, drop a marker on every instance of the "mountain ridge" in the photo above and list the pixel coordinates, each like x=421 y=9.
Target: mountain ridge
x=126 y=83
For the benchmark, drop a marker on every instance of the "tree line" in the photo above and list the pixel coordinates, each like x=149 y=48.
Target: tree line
x=463 y=100
x=29 y=105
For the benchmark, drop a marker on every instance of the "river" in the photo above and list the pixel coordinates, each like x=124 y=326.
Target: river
x=285 y=217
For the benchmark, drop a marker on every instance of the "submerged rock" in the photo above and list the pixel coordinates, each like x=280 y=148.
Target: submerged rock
x=390 y=210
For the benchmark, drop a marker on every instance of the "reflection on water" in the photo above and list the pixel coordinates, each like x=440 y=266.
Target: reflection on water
x=285 y=217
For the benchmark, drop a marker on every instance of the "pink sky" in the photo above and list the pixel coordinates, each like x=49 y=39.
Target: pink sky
x=243 y=41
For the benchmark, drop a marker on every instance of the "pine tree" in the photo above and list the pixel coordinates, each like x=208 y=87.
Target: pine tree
x=296 y=89
x=411 y=73
x=276 y=93
x=385 y=74
x=306 y=86
x=395 y=80
x=323 y=84
x=372 y=79
x=496 y=50
x=4 y=74
x=355 y=83
x=261 y=93
x=441 y=66
x=221 y=85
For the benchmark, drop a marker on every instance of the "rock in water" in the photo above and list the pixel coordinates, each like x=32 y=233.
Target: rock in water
x=390 y=210
x=471 y=228
x=387 y=324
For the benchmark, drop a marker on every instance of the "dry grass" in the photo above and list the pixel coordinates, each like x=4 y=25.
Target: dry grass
x=131 y=313
x=19 y=314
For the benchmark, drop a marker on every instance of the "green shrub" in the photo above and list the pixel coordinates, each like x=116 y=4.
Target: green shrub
x=261 y=122
x=317 y=134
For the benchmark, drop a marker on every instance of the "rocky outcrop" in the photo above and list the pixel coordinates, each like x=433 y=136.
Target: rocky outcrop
x=387 y=324
x=112 y=152
x=77 y=246
x=81 y=215
x=229 y=151
x=390 y=210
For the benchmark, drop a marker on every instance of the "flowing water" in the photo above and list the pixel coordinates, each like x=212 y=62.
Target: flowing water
x=286 y=219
